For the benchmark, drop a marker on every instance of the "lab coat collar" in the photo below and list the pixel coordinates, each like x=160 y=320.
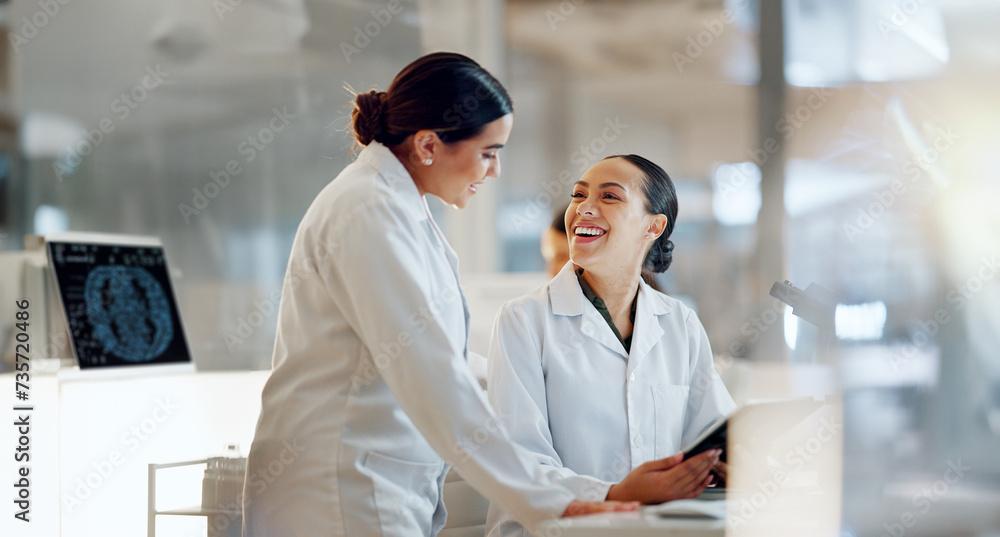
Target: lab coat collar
x=647 y=329
x=393 y=176
x=565 y=294
x=566 y=298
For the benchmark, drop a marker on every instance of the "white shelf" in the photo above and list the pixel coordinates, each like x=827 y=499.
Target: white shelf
x=188 y=511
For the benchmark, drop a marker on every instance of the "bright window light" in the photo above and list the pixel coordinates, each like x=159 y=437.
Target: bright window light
x=791 y=328
x=736 y=194
x=860 y=322
x=49 y=219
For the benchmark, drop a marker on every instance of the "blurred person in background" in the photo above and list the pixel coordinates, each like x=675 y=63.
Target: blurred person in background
x=555 y=245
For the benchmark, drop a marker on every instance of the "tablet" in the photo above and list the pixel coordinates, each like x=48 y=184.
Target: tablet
x=715 y=437
x=768 y=418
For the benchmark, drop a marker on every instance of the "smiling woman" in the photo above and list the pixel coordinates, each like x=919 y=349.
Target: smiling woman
x=599 y=375
x=621 y=215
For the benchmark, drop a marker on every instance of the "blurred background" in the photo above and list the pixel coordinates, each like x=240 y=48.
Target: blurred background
x=850 y=144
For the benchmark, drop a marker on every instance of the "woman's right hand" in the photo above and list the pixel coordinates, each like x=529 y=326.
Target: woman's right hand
x=667 y=479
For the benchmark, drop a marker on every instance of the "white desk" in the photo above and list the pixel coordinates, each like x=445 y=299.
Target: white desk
x=789 y=513
x=634 y=524
x=92 y=441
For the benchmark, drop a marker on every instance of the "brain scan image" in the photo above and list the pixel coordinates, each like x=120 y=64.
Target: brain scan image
x=119 y=304
x=129 y=312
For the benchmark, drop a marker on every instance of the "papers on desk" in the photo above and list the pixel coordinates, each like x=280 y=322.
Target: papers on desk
x=690 y=509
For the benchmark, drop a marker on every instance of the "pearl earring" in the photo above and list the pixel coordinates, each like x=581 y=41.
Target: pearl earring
x=648 y=236
x=428 y=162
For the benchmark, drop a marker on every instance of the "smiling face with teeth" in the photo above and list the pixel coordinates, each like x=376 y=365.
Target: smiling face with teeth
x=607 y=222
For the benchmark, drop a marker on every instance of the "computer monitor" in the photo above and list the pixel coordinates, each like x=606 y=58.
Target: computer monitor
x=119 y=303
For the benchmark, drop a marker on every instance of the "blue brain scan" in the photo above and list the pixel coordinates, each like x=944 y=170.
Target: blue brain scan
x=119 y=302
x=129 y=312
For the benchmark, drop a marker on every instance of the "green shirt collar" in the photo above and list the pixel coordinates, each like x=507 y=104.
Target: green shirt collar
x=602 y=308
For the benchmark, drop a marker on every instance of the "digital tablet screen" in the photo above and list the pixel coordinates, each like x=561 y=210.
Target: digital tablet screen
x=716 y=439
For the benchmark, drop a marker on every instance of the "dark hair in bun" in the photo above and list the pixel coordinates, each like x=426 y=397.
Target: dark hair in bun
x=661 y=198
x=445 y=92
x=369 y=116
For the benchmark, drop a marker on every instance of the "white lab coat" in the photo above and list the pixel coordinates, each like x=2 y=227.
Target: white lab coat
x=370 y=389
x=562 y=383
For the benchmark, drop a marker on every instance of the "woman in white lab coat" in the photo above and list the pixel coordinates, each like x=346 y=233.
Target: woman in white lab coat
x=370 y=399
x=601 y=377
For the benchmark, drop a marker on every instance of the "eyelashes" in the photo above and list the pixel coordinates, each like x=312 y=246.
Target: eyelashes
x=607 y=195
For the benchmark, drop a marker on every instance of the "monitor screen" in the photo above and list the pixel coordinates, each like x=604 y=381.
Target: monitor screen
x=119 y=302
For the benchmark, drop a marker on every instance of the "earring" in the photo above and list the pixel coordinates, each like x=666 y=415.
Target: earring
x=428 y=162
x=648 y=236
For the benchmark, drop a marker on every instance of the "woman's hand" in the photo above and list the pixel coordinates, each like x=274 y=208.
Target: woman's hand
x=667 y=479
x=581 y=507
x=721 y=471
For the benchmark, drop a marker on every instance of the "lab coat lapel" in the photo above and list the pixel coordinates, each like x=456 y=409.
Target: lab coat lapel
x=568 y=299
x=395 y=176
x=595 y=327
x=438 y=238
x=647 y=330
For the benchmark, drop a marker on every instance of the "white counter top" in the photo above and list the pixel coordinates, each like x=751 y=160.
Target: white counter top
x=640 y=523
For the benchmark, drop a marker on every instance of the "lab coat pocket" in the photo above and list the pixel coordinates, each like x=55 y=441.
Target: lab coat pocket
x=669 y=408
x=406 y=493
